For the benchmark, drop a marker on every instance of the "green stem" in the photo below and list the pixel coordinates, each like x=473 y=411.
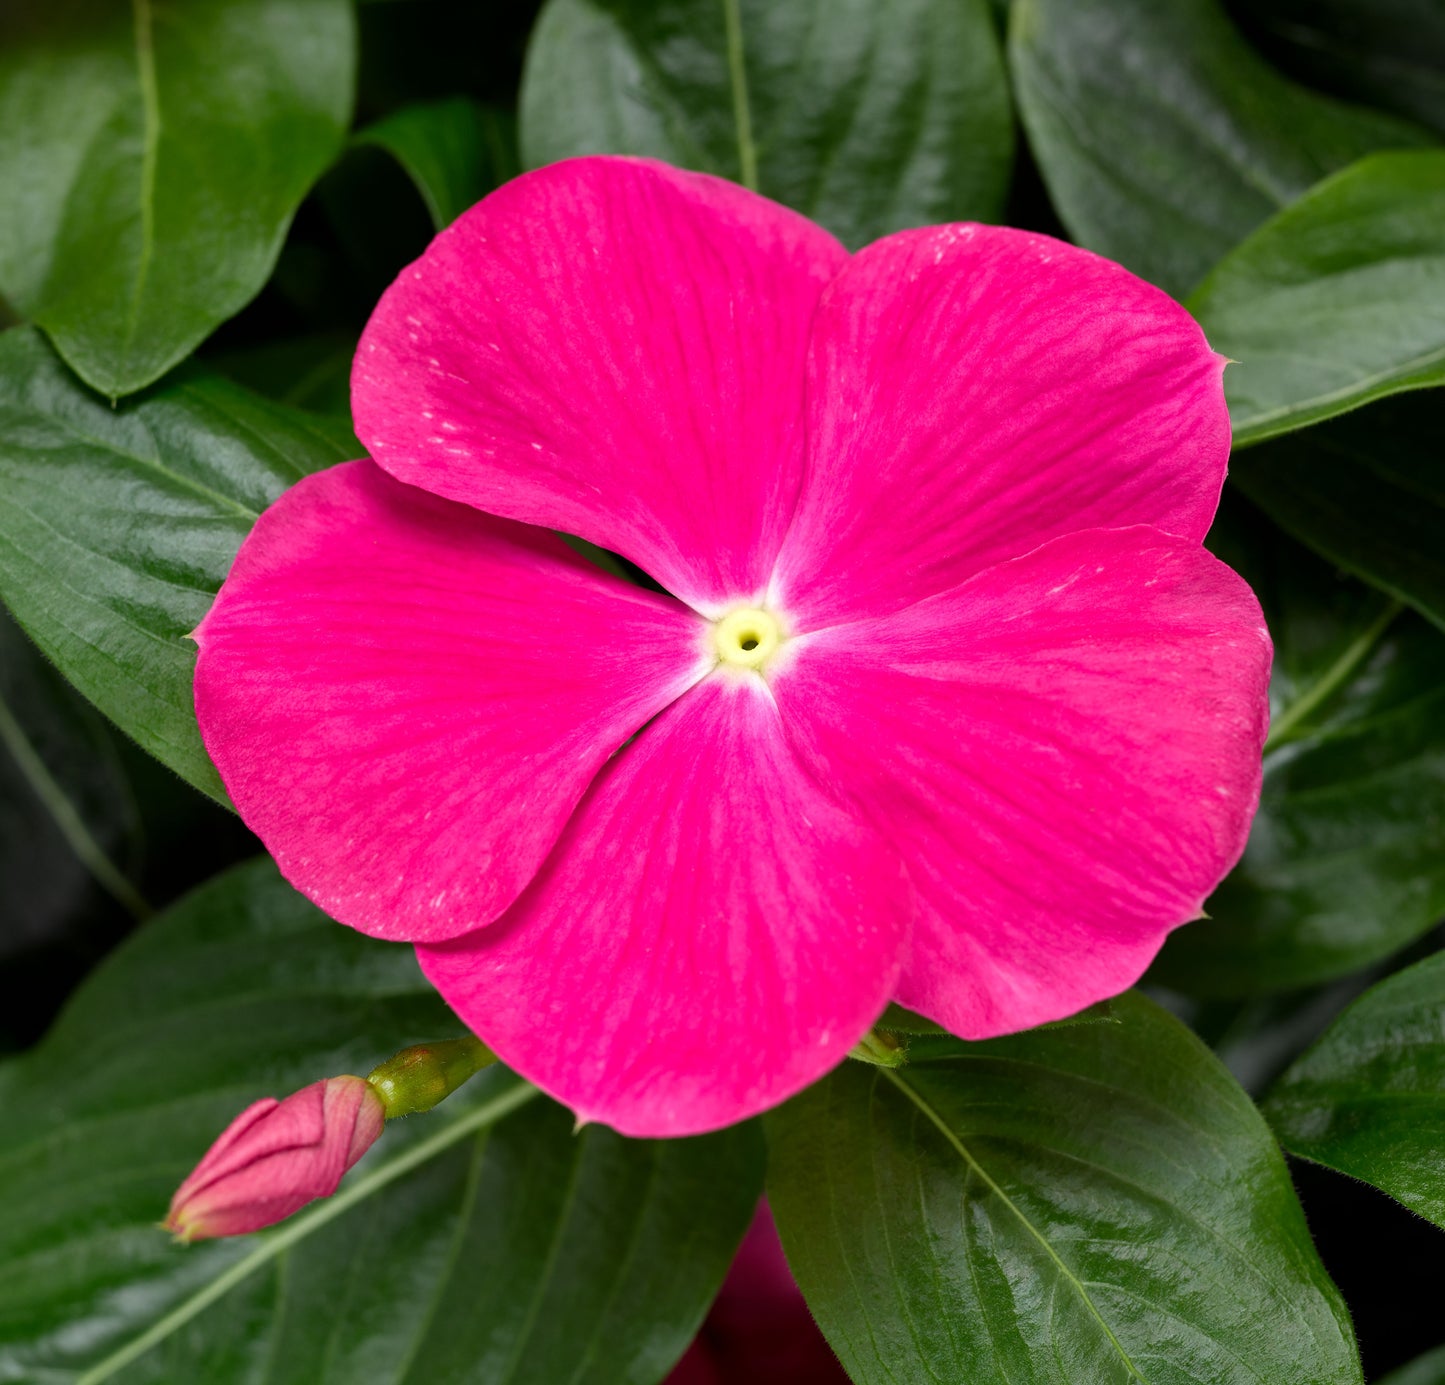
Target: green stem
x=72 y=826
x=1333 y=678
x=742 y=114
x=299 y=1227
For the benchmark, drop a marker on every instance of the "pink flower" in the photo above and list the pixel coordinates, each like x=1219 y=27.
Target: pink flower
x=275 y=1157
x=759 y=1331
x=948 y=704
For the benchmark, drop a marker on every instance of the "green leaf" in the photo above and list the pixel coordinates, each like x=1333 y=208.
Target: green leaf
x=152 y=157
x=1164 y=139
x=1387 y=53
x=461 y=1249
x=1424 y=1370
x=1100 y=1203
x=1258 y=1037
x=455 y=151
x=307 y=372
x=1346 y=857
x=866 y=115
x=1369 y=1098
x=1365 y=490
x=1338 y=300
x=67 y=814
x=118 y=525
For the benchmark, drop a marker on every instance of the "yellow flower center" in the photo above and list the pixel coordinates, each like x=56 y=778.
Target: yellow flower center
x=748 y=638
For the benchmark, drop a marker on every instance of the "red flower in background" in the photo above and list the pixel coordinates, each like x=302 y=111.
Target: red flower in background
x=759 y=1331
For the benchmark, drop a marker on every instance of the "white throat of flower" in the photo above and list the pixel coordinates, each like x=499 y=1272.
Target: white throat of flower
x=748 y=639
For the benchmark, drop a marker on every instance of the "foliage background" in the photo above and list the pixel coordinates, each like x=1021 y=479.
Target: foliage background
x=1275 y=163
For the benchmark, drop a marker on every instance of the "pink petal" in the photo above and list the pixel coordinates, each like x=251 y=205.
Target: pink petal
x=975 y=391
x=613 y=348
x=712 y=933
x=277 y=1156
x=1067 y=751
x=406 y=698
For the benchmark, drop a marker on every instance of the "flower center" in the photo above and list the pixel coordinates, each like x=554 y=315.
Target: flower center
x=747 y=638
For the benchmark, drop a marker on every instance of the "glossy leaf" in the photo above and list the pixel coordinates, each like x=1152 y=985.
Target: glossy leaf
x=1346 y=858
x=68 y=819
x=482 y=1241
x=1338 y=300
x=117 y=526
x=152 y=157
x=455 y=151
x=1386 y=53
x=1100 y=1203
x=1424 y=1370
x=866 y=115
x=1163 y=137
x=1367 y=491
x=1369 y=1098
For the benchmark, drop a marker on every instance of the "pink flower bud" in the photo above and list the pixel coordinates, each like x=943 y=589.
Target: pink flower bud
x=275 y=1157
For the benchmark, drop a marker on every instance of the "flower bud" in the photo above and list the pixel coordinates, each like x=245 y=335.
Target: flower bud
x=275 y=1157
x=415 y=1079
x=882 y=1048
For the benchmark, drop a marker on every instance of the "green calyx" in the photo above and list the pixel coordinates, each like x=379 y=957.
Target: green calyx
x=417 y=1078
x=882 y=1048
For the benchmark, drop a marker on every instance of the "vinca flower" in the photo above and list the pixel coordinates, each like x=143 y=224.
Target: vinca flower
x=941 y=700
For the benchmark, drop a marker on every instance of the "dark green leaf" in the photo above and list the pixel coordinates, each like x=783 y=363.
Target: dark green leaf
x=117 y=526
x=1346 y=858
x=455 y=151
x=1258 y=1037
x=1424 y=1370
x=152 y=157
x=866 y=115
x=1094 y=1204
x=67 y=814
x=1369 y=1098
x=1340 y=299
x=460 y=1250
x=1387 y=53
x=310 y=372
x=1163 y=137
x=1367 y=491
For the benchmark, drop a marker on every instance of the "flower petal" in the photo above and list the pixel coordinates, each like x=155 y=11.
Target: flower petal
x=975 y=391
x=406 y=698
x=712 y=933
x=1066 y=749
x=613 y=348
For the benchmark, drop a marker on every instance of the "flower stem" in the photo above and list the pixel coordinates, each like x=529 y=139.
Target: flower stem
x=742 y=113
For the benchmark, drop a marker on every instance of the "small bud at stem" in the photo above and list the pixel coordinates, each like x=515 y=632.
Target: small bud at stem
x=415 y=1079
x=881 y=1048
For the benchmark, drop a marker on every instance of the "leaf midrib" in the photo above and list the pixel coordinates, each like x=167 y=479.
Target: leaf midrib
x=1333 y=679
x=151 y=116
x=1064 y=1271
